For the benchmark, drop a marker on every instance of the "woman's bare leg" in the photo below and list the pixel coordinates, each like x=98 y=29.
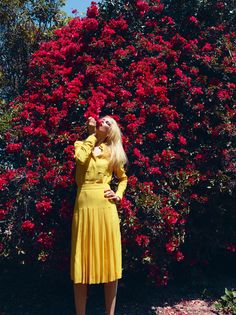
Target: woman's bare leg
x=110 y=290
x=80 y=295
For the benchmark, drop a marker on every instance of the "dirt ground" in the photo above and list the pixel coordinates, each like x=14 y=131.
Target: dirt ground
x=23 y=292
x=184 y=307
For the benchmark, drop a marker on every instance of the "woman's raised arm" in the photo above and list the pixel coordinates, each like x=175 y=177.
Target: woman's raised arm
x=84 y=148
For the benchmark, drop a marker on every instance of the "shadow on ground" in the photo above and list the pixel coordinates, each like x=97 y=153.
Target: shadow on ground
x=24 y=292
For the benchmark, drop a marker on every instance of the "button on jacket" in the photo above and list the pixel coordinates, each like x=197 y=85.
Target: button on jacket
x=94 y=169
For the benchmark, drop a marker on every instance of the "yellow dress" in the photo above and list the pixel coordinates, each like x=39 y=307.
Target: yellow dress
x=96 y=253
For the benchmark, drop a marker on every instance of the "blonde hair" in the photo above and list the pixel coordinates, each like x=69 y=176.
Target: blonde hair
x=113 y=140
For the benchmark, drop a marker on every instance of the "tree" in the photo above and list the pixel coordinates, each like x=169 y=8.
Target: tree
x=221 y=12
x=177 y=115
x=23 y=25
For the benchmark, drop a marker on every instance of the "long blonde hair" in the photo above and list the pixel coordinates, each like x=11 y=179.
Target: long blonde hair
x=113 y=140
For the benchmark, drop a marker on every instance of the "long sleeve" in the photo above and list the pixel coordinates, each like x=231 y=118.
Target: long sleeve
x=123 y=180
x=84 y=148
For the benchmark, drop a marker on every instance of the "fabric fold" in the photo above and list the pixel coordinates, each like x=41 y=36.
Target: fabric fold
x=96 y=255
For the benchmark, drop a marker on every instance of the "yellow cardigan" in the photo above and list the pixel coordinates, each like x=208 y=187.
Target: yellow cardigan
x=94 y=169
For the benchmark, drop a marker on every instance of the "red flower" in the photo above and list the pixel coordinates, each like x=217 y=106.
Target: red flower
x=155 y=170
x=13 y=147
x=182 y=140
x=173 y=126
x=207 y=47
x=182 y=221
x=158 y=8
x=3 y=213
x=179 y=255
x=132 y=180
x=169 y=215
x=39 y=131
x=168 y=135
x=27 y=225
x=153 y=109
x=199 y=106
x=196 y=90
x=90 y=24
x=223 y=95
x=193 y=20
x=231 y=248
x=194 y=196
x=142 y=240
x=179 y=72
x=220 y=5
x=92 y=11
x=45 y=240
x=44 y=206
x=148 y=185
x=168 y=20
x=142 y=5
x=170 y=247
x=137 y=153
x=151 y=135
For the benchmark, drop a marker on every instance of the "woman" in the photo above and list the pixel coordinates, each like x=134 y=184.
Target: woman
x=96 y=254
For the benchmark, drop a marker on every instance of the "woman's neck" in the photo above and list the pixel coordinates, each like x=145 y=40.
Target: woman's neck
x=100 y=139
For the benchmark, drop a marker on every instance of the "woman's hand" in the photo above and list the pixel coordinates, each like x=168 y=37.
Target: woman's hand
x=110 y=194
x=91 y=124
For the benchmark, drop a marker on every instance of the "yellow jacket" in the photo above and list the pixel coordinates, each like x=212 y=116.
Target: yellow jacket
x=94 y=169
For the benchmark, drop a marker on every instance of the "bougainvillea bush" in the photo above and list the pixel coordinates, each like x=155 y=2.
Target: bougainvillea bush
x=174 y=99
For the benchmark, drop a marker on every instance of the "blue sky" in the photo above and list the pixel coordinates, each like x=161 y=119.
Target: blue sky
x=80 y=5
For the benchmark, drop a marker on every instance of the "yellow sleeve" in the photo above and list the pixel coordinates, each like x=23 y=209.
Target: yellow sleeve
x=123 y=180
x=84 y=148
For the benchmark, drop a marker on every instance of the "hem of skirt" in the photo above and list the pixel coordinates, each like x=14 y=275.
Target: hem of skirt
x=93 y=282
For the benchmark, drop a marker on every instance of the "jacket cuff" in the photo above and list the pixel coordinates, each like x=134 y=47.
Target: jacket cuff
x=91 y=138
x=119 y=194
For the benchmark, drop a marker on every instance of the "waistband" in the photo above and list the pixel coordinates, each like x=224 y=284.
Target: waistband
x=94 y=186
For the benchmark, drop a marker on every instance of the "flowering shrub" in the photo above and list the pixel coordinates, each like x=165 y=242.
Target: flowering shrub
x=174 y=98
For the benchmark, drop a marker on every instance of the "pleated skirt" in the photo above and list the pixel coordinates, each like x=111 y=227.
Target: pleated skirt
x=96 y=253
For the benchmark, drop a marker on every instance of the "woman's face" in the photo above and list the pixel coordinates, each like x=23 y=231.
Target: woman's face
x=105 y=125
